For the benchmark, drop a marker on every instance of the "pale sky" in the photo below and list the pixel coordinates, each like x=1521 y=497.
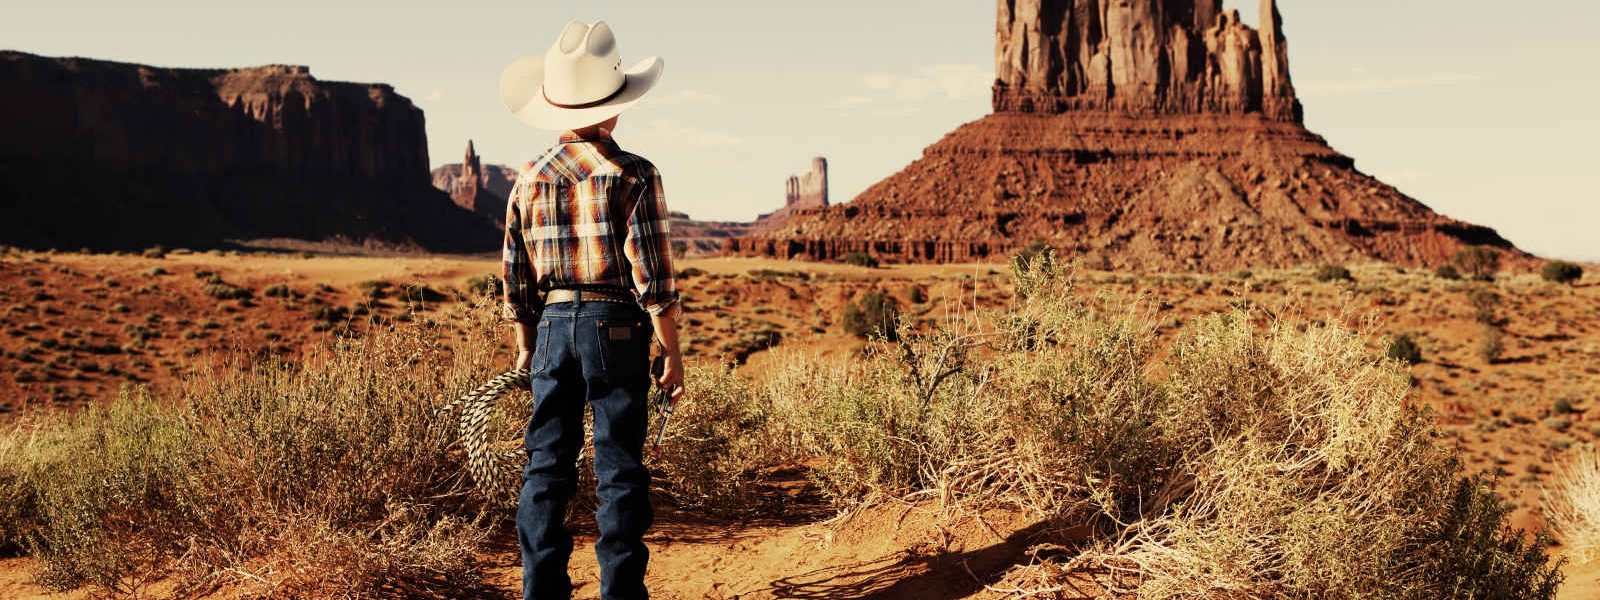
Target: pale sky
x=1480 y=109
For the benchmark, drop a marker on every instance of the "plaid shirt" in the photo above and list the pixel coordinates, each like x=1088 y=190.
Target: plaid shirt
x=587 y=213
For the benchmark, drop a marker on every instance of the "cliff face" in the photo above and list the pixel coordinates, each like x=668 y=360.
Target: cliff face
x=1133 y=134
x=1140 y=56
x=196 y=156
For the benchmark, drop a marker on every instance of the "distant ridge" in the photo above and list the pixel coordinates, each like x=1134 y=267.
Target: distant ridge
x=110 y=155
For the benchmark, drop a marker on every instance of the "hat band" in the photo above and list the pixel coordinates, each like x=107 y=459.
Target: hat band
x=586 y=104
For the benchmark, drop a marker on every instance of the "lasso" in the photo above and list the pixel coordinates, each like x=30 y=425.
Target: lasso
x=493 y=471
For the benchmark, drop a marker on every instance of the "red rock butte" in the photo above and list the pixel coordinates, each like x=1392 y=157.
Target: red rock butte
x=1136 y=134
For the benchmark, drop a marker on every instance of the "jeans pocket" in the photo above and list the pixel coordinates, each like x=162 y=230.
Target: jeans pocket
x=624 y=346
x=541 y=348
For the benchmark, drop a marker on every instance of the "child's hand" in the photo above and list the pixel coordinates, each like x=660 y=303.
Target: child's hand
x=671 y=378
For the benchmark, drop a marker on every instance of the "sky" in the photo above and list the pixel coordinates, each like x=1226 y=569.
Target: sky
x=1480 y=109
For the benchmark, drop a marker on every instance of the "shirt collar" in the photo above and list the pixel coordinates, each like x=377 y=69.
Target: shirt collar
x=602 y=135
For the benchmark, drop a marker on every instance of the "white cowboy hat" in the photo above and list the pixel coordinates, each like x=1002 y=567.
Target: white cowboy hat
x=578 y=83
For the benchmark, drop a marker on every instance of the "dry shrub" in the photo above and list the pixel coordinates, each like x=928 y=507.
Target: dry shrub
x=1560 y=271
x=405 y=555
x=1404 y=349
x=888 y=425
x=330 y=475
x=1485 y=302
x=1490 y=346
x=715 y=442
x=1481 y=262
x=1572 y=504
x=1078 y=410
x=1261 y=458
x=848 y=415
x=874 y=315
x=1309 y=476
x=19 y=509
x=1333 y=273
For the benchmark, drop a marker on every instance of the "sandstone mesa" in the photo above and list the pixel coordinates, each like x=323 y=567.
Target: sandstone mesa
x=1136 y=134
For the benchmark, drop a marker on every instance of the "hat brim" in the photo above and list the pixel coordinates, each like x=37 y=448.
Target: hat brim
x=521 y=89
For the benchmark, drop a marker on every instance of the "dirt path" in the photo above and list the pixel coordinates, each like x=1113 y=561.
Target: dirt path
x=890 y=552
x=1583 y=580
x=802 y=549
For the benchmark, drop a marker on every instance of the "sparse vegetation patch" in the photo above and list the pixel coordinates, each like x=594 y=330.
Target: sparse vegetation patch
x=873 y=315
x=1560 y=271
x=860 y=259
x=1480 y=262
x=1327 y=273
x=1404 y=349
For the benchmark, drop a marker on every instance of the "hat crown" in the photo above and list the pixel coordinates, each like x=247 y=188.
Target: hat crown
x=583 y=65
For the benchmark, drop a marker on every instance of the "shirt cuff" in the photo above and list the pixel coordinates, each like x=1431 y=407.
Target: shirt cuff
x=518 y=314
x=670 y=309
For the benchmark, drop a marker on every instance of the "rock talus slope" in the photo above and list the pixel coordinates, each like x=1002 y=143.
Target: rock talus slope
x=1136 y=134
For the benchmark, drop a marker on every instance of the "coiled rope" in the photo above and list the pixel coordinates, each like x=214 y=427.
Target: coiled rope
x=494 y=471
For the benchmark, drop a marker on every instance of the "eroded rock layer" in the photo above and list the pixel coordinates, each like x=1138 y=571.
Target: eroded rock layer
x=103 y=154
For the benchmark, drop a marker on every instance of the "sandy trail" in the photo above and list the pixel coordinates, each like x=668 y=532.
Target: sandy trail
x=892 y=552
x=802 y=550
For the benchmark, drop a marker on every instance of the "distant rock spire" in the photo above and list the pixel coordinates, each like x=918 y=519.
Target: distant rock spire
x=471 y=164
x=809 y=189
x=1277 y=90
x=465 y=192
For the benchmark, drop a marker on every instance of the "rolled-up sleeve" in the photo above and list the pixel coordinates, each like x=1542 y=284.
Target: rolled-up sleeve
x=649 y=247
x=520 y=299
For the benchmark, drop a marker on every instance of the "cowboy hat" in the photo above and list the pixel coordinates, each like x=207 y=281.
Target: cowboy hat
x=578 y=83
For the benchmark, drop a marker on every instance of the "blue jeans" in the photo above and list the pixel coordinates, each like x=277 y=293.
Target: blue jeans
x=594 y=353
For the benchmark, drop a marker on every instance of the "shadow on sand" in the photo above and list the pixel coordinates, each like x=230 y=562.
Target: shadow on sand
x=908 y=576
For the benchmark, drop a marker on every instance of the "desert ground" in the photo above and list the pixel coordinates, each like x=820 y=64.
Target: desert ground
x=79 y=327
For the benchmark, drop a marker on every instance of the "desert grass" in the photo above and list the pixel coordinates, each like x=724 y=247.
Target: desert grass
x=331 y=476
x=328 y=476
x=715 y=443
x=1572 y=504
x=1258 y=457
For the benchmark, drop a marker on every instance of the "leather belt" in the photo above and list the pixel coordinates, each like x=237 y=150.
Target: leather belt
x=586 y=295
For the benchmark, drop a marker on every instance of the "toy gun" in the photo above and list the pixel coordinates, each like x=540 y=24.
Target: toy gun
x=663 y=401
